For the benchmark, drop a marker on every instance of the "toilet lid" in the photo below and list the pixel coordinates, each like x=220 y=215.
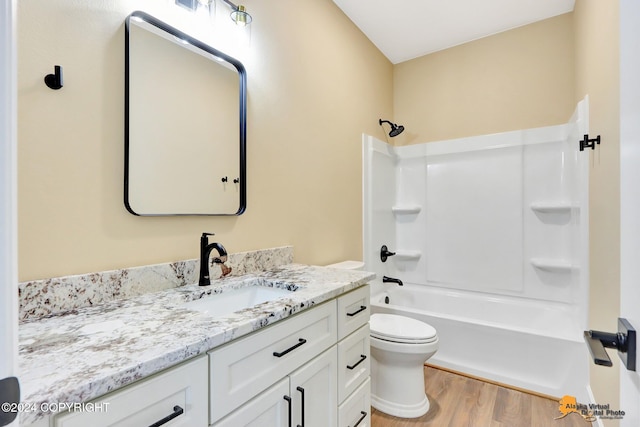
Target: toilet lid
x=392 y=327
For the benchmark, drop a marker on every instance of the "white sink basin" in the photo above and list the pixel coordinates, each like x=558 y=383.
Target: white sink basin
x=233 y=300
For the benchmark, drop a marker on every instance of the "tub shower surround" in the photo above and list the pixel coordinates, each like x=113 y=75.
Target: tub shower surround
x=59 y=295
x=90 y=351
x=490 y=235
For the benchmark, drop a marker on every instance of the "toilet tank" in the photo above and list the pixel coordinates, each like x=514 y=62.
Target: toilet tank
x=348 y=265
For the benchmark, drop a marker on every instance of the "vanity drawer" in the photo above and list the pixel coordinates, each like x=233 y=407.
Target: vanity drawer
x=356 y=410
x=354 y=362
x=353 y=311
x=247 y=366
x=183 y=388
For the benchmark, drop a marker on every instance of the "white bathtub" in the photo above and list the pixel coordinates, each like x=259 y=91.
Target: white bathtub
x=529 y=344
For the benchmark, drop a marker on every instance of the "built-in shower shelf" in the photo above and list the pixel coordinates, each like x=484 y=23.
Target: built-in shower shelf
x=408 y=255
x=406 y=209
x=552 y=265
x=553 y=207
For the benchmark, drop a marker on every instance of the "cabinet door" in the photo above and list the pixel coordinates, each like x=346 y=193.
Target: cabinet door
x=314 y=392
x=178 y=394
x=269 y=408
x=245 y=367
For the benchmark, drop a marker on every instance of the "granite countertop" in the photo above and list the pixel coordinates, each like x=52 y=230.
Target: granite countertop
x=91 y=351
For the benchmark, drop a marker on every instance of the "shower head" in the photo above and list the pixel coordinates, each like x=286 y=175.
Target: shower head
x=395 y=129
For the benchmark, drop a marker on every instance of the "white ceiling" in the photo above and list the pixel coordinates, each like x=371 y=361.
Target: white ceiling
x=407 y=29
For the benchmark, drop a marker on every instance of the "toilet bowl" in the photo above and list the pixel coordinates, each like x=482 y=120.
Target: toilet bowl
x=400 y=346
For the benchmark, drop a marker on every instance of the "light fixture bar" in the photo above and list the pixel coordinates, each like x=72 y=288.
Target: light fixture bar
x=233 y=6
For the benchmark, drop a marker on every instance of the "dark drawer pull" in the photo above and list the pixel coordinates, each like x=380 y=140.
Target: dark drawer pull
x=362 y=308
x=288 y=399
x=301 y=390
x=300 y=342
x=177 y=411
x=364 y=415
x=362 y=359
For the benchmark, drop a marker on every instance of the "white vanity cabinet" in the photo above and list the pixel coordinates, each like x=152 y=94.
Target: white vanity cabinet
x=354 y=359
x=307 y=398
x=244 y=368
x=310 y=370
x=175 y=397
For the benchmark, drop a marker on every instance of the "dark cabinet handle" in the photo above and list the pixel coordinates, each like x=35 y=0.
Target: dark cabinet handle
x=288 y=399
x=280 y=354
x=301 y=390
x=364 y=415
x=362 y=308
x=362 y=359
x=177 y=411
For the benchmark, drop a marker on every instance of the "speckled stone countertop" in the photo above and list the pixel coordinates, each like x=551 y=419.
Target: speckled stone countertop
x=91 y=351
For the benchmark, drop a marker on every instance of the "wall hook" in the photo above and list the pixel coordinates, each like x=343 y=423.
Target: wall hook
x=54 y=81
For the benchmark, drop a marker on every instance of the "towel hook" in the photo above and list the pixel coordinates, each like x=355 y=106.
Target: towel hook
x=54 y=81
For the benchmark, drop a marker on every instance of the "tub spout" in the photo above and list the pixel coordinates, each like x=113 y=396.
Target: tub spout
x=386 y=279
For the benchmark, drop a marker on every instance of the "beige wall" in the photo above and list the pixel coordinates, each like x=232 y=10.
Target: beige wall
x=315 y=84
x=517 y=79
x=528 y=77
x=597 y=74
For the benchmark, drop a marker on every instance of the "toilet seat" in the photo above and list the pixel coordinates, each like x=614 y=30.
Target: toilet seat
x=401 y=329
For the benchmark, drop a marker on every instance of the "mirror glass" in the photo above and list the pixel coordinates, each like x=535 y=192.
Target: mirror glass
x=185 y=124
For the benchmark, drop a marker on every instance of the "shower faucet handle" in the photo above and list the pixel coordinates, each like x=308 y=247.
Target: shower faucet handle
x=385 y=253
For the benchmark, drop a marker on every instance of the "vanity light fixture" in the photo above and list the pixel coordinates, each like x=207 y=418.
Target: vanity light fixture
x=208 y=7
x=241 y=17
x=239 y=14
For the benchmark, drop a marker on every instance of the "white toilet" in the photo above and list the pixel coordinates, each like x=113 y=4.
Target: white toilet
x=399 y=347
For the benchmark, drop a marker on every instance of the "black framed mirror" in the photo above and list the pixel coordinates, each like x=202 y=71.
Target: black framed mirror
x=185 y=123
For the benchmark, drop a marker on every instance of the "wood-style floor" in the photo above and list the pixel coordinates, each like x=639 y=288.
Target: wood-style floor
x=460 y=401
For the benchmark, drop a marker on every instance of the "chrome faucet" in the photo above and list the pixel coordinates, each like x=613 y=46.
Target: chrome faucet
x=205 y=251
x=386 y=279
